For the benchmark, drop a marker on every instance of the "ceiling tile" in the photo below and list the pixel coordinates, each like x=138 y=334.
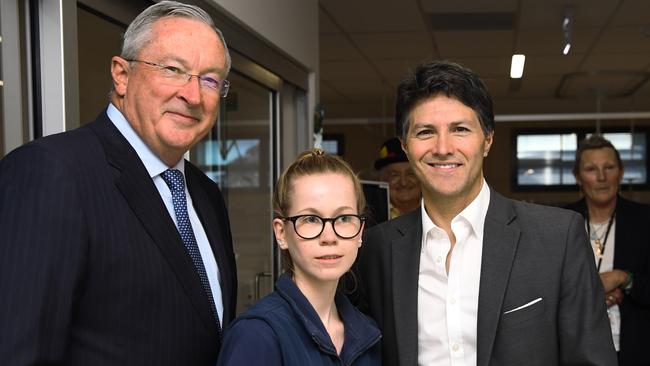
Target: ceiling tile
x=375 y=16
x=486 y=66
x=624 y=39
x=386 y=46
x=396 y=70
x=325 y=24
x=544 y=65
x=551 y=41
x=534 y=87
x=619 y=61
x=347 y=71
x=336 y=47
x=633 y=12
x=468 y=43
x=390 y=38
x=586 y=13
x=468 y=6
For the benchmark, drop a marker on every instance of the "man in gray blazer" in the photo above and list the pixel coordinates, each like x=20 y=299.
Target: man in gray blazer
x=473 y=278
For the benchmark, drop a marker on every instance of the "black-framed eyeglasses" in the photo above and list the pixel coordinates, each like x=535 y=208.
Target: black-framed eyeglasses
x=311 y=226
x=178 y=77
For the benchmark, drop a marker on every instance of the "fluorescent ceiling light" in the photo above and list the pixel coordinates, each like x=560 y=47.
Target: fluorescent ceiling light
x=566 y=49
x=517 y=66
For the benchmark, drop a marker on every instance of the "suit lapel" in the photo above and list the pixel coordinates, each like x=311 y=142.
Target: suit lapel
x=141 y=194
x=214 y=229
x=500 y=240
x=405 y=267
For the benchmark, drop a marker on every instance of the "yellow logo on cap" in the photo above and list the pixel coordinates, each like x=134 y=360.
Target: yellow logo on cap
x=383 y=152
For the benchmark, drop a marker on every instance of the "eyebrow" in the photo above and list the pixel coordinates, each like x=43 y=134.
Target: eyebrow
x=433 y=126
x=313 y=211
x=185 y=65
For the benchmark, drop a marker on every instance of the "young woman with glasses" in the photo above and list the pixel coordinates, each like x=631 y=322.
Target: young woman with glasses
x=307 y=320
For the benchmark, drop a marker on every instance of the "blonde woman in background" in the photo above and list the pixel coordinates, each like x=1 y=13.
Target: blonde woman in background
x=618 y=231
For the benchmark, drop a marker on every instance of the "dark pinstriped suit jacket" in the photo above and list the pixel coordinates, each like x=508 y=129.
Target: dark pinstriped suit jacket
x=529 y=252
x=92 y=268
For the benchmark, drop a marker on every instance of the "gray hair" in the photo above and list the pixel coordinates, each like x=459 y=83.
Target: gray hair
x=138 y=34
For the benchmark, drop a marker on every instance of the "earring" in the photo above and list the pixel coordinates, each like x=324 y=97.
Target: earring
x=360 y=242
x=281 y=244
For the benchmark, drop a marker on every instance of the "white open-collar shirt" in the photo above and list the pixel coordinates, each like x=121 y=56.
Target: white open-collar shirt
x=448 y=303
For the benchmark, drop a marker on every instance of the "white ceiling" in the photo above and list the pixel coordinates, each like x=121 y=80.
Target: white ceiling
x=367 y=46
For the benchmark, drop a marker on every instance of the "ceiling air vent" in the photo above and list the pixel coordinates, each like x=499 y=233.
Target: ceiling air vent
x=472 y=21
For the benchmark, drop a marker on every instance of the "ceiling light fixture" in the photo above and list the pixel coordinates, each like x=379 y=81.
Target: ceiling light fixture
x=566 y=29
x=517 y=66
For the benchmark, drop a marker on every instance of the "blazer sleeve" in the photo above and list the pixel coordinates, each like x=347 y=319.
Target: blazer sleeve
x=638 y=246
x=641 y=287
x=250 y=342
x=41 y=256
x=583 y=327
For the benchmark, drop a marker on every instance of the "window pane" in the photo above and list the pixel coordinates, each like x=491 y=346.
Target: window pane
x=545 y=159
x=239 y=158
x=632 y=148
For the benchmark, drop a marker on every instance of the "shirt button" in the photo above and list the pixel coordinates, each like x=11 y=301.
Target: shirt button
x=439 y=259
x=455 y=347
x=452 y=301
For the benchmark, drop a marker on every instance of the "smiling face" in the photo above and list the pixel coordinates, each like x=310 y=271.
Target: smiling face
x=404 y=185
x=327 y=257
x=171 y=119
x=446 y=147
x=599 y=175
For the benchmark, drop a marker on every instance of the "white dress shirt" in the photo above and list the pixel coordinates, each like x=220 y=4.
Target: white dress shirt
x=598 y=231
x=448 y=303
x=155 y=167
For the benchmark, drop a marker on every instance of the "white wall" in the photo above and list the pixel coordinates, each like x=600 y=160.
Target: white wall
x=291 y=25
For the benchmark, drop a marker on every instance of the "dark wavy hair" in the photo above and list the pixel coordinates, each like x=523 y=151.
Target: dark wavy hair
x=442 y=77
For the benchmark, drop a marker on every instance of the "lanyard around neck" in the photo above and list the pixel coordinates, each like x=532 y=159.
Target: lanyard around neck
x=604 y=242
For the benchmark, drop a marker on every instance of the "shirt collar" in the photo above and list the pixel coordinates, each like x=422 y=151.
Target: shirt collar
x=474 y=213
x=151 y=161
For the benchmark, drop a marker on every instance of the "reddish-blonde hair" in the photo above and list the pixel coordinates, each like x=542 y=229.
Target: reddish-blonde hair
x=310 y=162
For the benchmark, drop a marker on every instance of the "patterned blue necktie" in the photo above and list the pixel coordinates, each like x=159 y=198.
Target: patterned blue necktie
x=176 y=183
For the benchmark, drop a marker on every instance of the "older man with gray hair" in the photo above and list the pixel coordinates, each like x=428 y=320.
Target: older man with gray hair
x=115 y=250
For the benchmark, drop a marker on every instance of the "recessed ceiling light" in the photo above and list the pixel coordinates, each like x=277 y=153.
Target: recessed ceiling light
x=517 y=66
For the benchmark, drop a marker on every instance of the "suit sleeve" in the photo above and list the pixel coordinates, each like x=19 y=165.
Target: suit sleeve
x=41 y=256
x=641 y=287
x=250 y=342
x=583 y=327
x=640 y=292
x=358 y=297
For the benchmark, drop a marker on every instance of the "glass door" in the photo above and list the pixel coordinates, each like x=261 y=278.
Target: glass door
x=238 y=155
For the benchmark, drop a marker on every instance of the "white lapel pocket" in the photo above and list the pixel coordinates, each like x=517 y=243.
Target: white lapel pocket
x=524 y=306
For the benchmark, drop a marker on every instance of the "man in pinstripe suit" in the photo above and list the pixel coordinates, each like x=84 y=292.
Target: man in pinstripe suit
x=93 y=270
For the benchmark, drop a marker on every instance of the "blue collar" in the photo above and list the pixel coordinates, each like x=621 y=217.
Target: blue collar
x=360 y=331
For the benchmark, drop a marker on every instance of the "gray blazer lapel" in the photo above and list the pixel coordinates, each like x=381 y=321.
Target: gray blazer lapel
x=500 y=240
x=406 y=269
